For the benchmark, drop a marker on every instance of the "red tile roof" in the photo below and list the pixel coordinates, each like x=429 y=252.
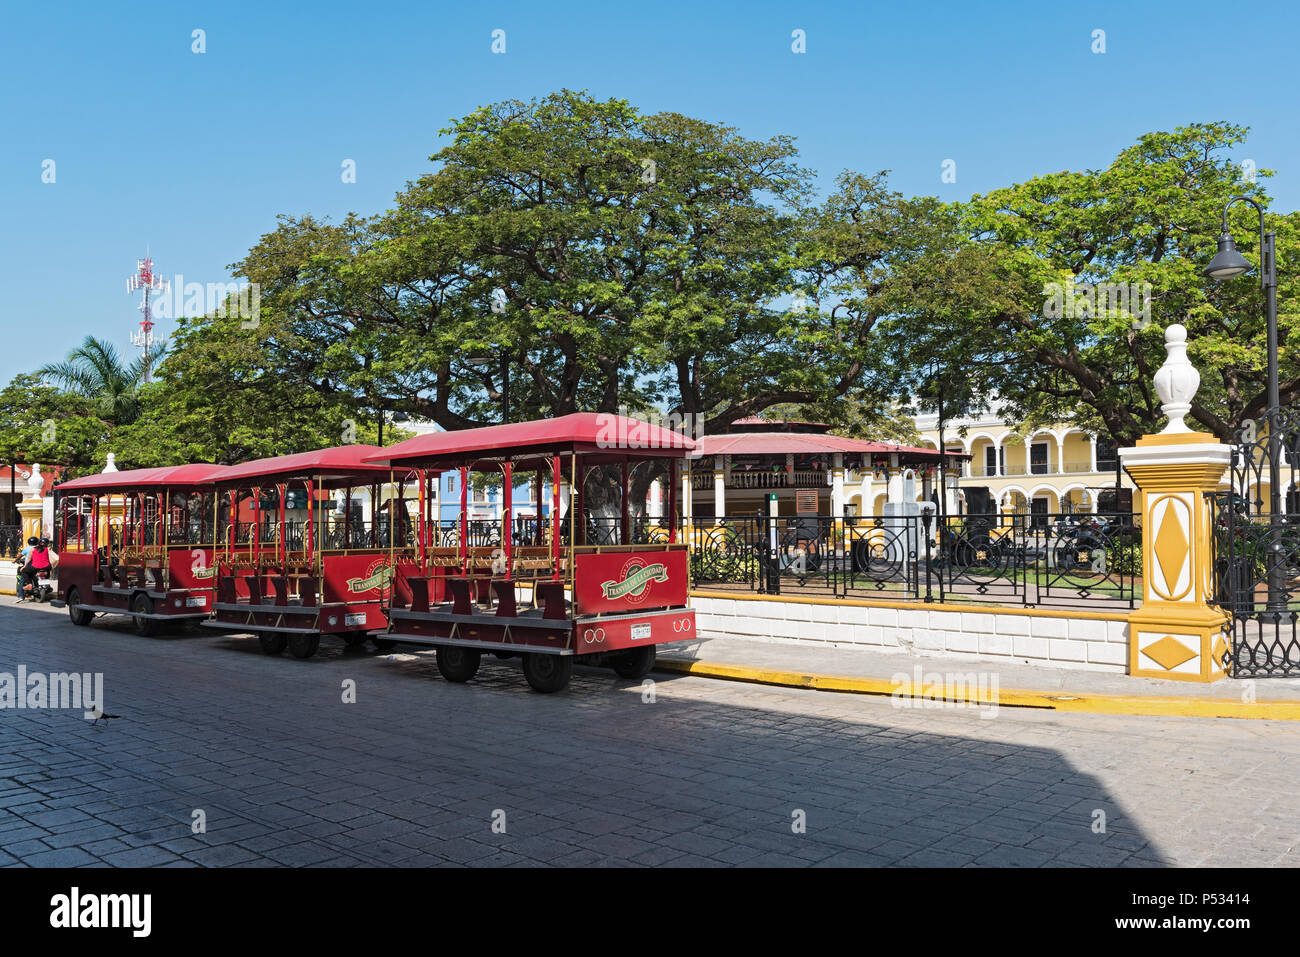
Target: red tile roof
x=802 y=443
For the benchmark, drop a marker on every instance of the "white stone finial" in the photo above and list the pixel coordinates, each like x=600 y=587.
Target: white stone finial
x=1177 y=380
x=35 y=483
x=112 y=463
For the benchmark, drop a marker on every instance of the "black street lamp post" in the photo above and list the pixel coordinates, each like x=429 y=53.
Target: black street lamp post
x=1227 y=264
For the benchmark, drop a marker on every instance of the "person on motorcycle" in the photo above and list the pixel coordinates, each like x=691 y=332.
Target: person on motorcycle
x=24 y=560
x=41 y=563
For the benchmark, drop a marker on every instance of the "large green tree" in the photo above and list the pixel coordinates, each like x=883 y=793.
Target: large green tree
x=50 y=426
x=1149 y=220
x=613 y=258
x=221 y=397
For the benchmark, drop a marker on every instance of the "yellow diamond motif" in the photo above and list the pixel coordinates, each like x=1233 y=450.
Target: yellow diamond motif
x=1168 y=652
x=1171 y=548
x=1220 y=647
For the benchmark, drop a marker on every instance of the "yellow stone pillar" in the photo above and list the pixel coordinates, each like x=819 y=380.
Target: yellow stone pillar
x=31 y=514
x=112 y=509
x=32 y=505
x=1176 y=633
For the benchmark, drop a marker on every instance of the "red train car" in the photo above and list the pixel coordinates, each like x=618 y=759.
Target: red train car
x=137 y=543
x=290 y=569
x=600 y=584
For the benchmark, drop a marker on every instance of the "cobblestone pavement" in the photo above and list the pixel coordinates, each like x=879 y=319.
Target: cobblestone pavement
x=709 y=773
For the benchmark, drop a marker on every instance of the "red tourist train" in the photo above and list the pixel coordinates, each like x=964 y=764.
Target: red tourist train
x=601 y=589
x=139 y=543
x=289 y=570
x=274 y=547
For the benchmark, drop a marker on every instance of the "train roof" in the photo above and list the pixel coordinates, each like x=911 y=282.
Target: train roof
x=331 y=466
x=587 y=433
x=169 y=476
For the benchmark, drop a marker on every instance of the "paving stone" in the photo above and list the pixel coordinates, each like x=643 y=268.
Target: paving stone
x=140 y=857
x=709 y=776
x=63 y=857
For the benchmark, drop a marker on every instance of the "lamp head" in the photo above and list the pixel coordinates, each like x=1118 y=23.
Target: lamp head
x=1227 y=262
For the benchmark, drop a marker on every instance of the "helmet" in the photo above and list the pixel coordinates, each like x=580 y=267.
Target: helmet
x=33 y=540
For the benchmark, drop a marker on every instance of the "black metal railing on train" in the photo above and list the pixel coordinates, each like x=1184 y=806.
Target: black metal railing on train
x=1256 y=550
x=608 y=530
x=1049 y=560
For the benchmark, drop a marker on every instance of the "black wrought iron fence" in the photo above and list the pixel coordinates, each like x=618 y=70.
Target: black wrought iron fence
x=1051 y=560
x=11 y=540
x=1256 y=545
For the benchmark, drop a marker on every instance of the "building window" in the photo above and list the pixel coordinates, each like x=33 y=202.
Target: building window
x=1107 y=455
x=1038 y=458
x=1038 y=512
x=995 y=460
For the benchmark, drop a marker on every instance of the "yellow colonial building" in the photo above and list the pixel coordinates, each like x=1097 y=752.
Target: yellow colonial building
x=1062 y=469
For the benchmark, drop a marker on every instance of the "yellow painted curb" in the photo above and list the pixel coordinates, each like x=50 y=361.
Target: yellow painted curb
x=1051 y=701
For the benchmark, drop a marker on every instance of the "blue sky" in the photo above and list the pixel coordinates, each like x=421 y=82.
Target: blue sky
x=197 y=154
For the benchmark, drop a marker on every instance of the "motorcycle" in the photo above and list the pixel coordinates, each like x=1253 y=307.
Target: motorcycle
x=42 y=591
x=44 y=587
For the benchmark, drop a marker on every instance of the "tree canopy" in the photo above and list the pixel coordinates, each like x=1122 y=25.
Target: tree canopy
x=1147 y=224
x=604 y=258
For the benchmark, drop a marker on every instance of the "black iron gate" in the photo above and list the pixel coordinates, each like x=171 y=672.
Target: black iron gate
x=1256 y=547
x=1056 y=560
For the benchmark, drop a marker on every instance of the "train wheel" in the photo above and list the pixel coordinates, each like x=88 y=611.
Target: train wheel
x=303 y=646
x=79 y=615
x=272 y=642
x=385 y=644
x=142 y=605
x=548 y=673
x=458 y=664
x=635 y=663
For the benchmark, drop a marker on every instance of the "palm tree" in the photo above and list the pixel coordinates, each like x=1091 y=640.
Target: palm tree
x=94 y=370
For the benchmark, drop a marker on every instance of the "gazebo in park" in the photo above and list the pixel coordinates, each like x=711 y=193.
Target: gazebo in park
x=810 y=471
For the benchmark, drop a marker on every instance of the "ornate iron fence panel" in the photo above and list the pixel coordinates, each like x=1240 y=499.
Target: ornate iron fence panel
x=982 y=557
x=727 y=553
x=1049 y=560
x=1087 y=557
x=1256 y=545
x=881 y=554
x=11 y=540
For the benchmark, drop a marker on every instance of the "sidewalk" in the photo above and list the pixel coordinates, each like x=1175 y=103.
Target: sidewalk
x=864 y=671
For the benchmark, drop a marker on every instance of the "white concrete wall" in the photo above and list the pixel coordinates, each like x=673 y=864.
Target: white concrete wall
x=982 y=634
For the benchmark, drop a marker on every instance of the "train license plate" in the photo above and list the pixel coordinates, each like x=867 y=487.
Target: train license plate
x=641 y=632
